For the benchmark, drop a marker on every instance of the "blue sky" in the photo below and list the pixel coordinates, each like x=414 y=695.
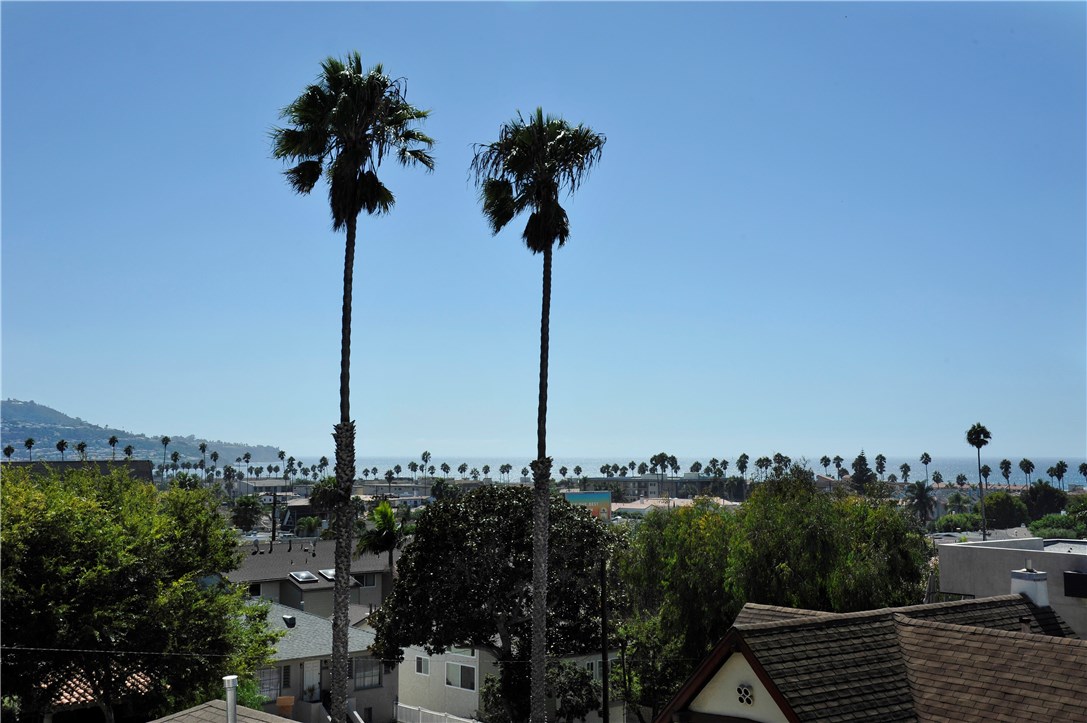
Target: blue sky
x=815 y=228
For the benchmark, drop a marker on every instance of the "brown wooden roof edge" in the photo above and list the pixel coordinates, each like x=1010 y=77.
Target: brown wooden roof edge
x=733 y=642
x=827 y=617
x=903 y=619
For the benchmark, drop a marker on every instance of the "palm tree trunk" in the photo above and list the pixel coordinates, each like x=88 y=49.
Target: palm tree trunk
x=343 y=513
x=981 y=488
x=541 y=476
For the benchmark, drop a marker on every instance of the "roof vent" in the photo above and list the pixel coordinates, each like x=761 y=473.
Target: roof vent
x=289 y=620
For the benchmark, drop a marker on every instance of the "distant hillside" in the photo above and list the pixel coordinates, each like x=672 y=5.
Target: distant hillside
x=20 y=420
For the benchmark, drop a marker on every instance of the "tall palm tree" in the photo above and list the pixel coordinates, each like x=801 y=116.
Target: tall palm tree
x=113 y=446
x=1082 y=470
x=62 y=445
x=8 y=451
x=925 y=460
x=165 y=443
x=904 y=468
x=526 y=169
x=920 y=499
x=445 y=469
x=129 y=450
x=29 y=444
x=1006 y=472
x=81 y=447
x=838 y=464
x=1059 y=470
x=1027 y=467
x=978 y=436
x=825 y=462
x=425 y=457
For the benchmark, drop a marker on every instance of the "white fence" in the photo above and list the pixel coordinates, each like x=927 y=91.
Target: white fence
x=414 y=714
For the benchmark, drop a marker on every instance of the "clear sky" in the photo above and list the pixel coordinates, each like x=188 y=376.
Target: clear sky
x=815 y=228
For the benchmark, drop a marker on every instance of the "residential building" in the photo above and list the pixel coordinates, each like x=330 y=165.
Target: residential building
x=987 y=659
x=449 y=683
x=301 y=670
x=300 y=574
x=981 y=569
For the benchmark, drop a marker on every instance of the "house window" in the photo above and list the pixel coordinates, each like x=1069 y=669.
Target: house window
x=254 y=589
x=286 y=680
x=466 y=652
x=268 y=679
x=458 y=675
x=598 y=670
x=366 y=672
x=422 y=665
x=367 y=579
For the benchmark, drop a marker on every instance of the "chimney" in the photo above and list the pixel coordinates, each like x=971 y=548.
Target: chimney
x=1031 y=583
x=230 y=682
x=289 y=620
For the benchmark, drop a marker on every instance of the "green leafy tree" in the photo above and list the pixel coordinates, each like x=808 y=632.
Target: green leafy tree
x=342 y=127
x=573 y=689
x=1042 y=498
x=307 y=526
x=1004 y=511
x=247 y=512
x=977 y=437
x=482 y=541
x=128 y=570
x=957 y=503
x=862 y=476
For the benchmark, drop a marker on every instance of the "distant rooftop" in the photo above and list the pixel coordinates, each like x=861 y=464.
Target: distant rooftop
x=1076 y=547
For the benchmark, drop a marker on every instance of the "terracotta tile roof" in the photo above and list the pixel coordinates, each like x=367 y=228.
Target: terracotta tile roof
x=76 y=691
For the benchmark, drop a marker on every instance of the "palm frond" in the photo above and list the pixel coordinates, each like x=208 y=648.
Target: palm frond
x=498 y=204
x=303 y=177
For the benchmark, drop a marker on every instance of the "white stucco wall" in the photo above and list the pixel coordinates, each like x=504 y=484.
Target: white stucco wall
x=720 y=696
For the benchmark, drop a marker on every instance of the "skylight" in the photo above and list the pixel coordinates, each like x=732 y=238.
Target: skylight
x=329 y=573
x=304 y=576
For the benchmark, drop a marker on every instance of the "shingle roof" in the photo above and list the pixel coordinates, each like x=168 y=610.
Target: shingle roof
x=311 y=636
x=214 y=711
x=964 y=673
x=260 y=565
x=920 y=663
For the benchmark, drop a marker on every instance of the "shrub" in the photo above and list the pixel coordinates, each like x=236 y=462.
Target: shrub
x=1042 y=498
x=1003 y=511
x=965 y=521
x=1058 y=526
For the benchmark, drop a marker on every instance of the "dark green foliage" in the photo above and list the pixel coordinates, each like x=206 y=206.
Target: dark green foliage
x=862 y=474
x=572 y=687
x=465 y=580
x=1056 y=525
x=959 y=521
x=130 y=572
x=1003 y=511
x=1042 y=498
x=247 y=512
x=690 y=570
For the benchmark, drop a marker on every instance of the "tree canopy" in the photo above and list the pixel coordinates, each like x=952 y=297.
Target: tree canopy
x=465 y=579
x=103 y=574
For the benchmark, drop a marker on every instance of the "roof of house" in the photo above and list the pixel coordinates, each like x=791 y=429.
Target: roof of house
x=1002 y=612
x=214 y=711
x=265 y=560
x=311 y=636
x=963 y=660
x=76 y=691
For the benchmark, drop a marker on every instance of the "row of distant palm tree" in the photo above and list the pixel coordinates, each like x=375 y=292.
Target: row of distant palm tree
x=62 y=447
